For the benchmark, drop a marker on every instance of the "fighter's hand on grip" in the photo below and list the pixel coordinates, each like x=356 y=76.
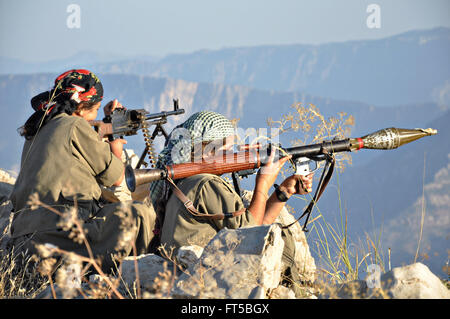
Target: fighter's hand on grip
x=111 y=106
x=298 y=184
x=269 y=172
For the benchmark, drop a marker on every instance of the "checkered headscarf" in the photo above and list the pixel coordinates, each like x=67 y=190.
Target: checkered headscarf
x=205 y=126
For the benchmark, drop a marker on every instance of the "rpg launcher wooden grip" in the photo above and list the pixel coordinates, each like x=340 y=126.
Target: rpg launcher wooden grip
x=218 y=165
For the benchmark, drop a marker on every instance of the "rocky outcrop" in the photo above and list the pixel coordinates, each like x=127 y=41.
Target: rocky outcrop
x=236 y=263
x=149 y=266
x=246 y=263
x=302 y=254
x=414 y=281
x=239 y=263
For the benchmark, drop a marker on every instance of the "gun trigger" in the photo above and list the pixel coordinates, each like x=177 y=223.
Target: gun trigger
x=302 y=166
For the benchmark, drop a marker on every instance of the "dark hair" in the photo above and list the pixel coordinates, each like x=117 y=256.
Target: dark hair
x=74 y=90
x=86 y=105
x=36 y=120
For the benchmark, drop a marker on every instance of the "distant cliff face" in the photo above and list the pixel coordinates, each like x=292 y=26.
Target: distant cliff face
x=427 y=221
x=412 y=67
x=252 y=106
x=385 y=199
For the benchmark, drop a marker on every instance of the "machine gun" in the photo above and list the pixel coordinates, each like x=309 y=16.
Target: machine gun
x=122 y=122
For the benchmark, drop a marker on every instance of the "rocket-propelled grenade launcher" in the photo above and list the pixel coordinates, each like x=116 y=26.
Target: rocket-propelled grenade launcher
x=249 y=160
x=391 y=138
x=385 y=139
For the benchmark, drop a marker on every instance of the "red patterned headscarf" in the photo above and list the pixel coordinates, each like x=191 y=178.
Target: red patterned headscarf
x=70 y=89
x=73 y=86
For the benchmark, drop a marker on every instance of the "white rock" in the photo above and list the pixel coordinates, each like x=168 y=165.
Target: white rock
x=150 y=266
x=303 y=258
x=236 y=263
x=188 y=256
x=414 y=281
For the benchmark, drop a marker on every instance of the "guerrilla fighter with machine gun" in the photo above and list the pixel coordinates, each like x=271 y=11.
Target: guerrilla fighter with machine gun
x=122 y=122
x=63 y=164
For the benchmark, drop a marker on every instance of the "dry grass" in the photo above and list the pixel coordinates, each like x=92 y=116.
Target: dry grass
x=340 y=260
x=65 y=274
x=315 y=128
x=19 y=276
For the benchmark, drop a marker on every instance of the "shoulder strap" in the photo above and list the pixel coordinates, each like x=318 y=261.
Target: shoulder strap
x=191 y=208
x=323 y=182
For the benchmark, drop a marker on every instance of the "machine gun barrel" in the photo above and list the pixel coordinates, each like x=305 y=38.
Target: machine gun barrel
x=163 y=114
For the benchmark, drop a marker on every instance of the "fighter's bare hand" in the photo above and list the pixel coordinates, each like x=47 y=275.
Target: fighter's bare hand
x=111 y=106
x=269 y=172
x=298 y=184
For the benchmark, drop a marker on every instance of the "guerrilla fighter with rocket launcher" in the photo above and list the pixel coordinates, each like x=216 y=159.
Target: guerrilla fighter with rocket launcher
x=301 y=156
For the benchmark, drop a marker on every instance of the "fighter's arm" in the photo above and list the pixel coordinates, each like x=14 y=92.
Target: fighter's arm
x=292 y=185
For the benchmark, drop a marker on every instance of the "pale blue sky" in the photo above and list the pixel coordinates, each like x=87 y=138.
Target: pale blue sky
x=36 y=30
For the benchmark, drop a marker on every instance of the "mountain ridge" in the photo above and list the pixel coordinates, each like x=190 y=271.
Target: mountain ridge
x=405 y=68
x=156 y=94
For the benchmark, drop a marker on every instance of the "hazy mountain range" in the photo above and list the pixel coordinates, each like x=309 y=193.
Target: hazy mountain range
x=412 y=67
x=251 y=106
x=401 y=81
